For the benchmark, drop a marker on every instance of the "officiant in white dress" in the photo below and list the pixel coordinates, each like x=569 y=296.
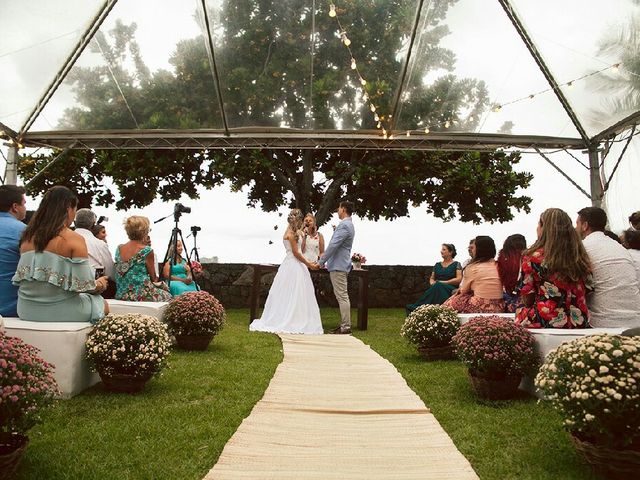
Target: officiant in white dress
x=312 y=239
x=291 y=305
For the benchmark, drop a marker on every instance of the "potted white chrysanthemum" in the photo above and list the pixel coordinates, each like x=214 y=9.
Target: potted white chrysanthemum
x=127 y=350
x=593 y=383
x=431 y=328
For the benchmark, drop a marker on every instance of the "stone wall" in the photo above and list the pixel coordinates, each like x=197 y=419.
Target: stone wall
x=389 y=285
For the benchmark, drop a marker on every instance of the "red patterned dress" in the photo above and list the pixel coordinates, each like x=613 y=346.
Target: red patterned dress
x=557 y=303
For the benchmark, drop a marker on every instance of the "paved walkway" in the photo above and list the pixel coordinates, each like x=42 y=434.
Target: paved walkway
x=335 y=409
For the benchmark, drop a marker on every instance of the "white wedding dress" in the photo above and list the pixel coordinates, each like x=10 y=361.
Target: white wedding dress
x=291 y=305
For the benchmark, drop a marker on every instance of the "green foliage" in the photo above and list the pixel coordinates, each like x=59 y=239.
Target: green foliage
x=263 y=52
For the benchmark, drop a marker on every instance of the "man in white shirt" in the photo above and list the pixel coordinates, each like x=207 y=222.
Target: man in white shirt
x=99 y=254
x=615 y=300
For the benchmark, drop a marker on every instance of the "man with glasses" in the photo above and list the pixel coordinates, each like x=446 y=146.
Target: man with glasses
x=13 y=209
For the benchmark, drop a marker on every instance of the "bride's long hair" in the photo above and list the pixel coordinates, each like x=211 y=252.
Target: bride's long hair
x=295 y=221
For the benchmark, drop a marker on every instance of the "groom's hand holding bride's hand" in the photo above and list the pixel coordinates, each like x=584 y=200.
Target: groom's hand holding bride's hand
x=314 y=266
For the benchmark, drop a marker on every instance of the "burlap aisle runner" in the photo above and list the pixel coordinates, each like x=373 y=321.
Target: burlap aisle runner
x=336 y=409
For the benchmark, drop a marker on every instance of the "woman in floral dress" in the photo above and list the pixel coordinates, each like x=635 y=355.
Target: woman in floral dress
x=555 y=272
x=136 y=278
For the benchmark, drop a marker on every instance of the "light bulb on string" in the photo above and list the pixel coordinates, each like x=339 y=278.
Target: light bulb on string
x=408 y=133
x=497 y=108
x=332 y=10
x=391 y=137
x=426 y=130
x=363 y=82
x=376 y=117
x=373 y=107
x=353 y=64
x=346 y=40
x=378 y=125
x=447 y=124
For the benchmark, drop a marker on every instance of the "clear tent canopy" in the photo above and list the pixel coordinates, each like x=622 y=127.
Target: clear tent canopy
x=366 y=74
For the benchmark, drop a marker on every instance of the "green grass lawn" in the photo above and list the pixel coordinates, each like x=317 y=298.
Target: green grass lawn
x=178 y=426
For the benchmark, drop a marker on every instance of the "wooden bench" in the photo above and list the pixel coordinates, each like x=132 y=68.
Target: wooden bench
x=547 y=339
x=61 y=344
x=155 y=309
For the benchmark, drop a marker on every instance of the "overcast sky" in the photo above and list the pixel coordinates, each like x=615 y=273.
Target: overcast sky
x=485 y=46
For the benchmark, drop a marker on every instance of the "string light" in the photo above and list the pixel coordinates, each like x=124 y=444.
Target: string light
x=568 y=84
x=426 y=130
x=408 y=133
x=332 y=10
x=353 y=64
x=447 y=124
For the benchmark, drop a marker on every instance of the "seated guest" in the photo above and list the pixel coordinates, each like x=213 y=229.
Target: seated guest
x=615 y=301
x=99 y=232
x=136 y=278
x=555 y=270
x=634 y=220
x=472 y=253
x=509 y=269
x=54 y=278
x=445 y=277
x=12 y=211
x=99 y=254
x=481 y=289
x=177 y=270
x=630 y=240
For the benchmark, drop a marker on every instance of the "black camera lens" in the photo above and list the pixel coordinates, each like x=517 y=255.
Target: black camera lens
x=196 y=228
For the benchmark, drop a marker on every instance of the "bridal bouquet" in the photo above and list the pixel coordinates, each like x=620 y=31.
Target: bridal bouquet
x=358 y=258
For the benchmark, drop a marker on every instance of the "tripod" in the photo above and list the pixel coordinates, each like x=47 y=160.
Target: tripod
x=176 y=234
x=194 y=251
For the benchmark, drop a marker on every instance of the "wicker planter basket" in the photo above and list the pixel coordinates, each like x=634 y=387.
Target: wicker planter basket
x=12 y=447
x=494 y=388
x=609 y=463
x=194 y=342
x=445 y=352
x=124 y=382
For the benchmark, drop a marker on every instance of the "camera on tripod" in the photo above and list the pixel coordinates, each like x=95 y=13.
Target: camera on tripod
x=195 y=229
x=179 y=209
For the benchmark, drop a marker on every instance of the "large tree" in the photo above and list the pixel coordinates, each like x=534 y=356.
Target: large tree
x=263 y=51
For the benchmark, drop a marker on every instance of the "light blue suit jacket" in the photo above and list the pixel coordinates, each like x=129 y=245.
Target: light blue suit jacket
x=337 y=255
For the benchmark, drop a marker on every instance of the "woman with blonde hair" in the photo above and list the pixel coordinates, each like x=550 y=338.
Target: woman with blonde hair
x=555 y=271
x=312 y=239
x=291 y=305
x=136 y=278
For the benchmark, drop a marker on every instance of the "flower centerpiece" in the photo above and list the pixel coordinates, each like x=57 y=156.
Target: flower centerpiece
x=593 y=383
x=196 y=267
x=497 y=353
x=27 y=387
x=357 y=259
x=194 y=318
x=431 y=328
x=127 y=350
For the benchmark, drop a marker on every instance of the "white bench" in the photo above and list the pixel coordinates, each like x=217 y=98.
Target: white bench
x=547 y=339
x=62 y=344
x=155 y=309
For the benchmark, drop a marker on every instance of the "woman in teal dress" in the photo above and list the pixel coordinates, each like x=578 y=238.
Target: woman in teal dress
x=176 y=268
x=136 y=279
x=55 y=281
x=445 y=278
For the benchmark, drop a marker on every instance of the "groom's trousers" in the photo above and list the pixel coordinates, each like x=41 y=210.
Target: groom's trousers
x=339 y=282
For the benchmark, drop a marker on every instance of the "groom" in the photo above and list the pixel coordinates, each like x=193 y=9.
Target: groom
x=337 y=258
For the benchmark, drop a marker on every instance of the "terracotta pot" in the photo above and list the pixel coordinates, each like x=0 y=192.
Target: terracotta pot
x=494 y=387
x=445 y=352
x=124 y=382
x=194 y=342
x=609 y=463
x=12 y=447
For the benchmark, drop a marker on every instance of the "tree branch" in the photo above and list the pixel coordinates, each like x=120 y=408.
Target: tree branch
x=331 y=194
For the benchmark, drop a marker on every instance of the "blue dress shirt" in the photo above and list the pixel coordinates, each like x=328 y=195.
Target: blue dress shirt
x=10 y=232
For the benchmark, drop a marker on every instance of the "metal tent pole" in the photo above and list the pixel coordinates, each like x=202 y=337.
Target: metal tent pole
x=11 y=173
x=597 y=189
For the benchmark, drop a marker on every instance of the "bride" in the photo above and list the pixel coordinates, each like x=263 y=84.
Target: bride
x=291 y=306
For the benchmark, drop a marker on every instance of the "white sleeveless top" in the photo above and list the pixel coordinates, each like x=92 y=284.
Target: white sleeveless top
x=312 y=248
